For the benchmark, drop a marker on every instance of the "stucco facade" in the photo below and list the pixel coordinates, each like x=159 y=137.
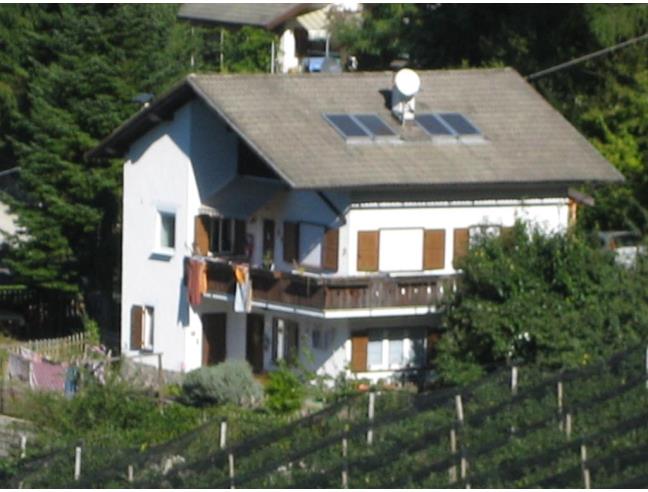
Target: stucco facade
x=178 y=165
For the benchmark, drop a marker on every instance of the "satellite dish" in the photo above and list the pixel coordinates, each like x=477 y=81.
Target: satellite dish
x=407 y=82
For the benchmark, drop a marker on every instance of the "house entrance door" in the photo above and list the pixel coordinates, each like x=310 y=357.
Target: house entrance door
x=214 y=338
x=254 y=343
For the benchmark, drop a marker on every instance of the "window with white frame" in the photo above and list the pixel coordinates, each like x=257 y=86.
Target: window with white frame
x=166 y=230
x=395 y=348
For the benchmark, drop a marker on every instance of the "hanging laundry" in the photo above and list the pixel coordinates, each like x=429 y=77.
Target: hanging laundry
x=71 y=381
x=197 y=281
x=49 y=376
x=243 y=297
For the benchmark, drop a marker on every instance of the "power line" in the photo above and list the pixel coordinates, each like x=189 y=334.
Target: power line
x=583 y=58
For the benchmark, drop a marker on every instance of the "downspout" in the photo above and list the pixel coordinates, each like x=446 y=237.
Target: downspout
x=272 y=57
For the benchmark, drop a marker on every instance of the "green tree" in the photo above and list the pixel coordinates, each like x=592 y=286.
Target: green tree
x=89 y=61
x=555 y=300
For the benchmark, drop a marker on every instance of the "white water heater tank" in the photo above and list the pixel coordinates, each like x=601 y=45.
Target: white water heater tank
x=406 y=85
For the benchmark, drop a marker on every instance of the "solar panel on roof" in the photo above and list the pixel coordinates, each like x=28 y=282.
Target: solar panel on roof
x=375 y=125
x=459 y=123
x=346 y=125
x=432 y=124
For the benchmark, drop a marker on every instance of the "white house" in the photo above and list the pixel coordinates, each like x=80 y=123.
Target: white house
x=349 y=219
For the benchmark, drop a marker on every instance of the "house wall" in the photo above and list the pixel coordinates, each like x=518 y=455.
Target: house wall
x=331 y=361
x=550 y=214
x=171 y=168
x=155 y=176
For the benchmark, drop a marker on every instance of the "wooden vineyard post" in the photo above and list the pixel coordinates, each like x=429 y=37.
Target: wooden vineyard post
x=568 y=425
x=130 y=473
x=223 y=434
x=370 y=414
x=514 y=380
x=560 y=404
x=23 y=446
x=452 y=472
x=460 y=419
x=345 y=453
x=459 y=408
x=647 y=367
x=230 y=458
x=586 y=473
x=77 y=463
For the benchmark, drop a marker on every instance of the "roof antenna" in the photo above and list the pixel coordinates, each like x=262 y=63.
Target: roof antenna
x=406 y=85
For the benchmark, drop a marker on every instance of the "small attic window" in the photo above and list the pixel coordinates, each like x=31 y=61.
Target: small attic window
x=360 y=126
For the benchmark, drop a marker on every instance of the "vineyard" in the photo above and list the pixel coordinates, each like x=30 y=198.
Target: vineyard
x=517 y=427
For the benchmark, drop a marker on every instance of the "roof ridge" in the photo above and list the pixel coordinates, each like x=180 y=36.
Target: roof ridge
x=368 y=73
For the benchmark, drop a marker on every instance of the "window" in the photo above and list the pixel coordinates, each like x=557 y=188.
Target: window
x=310 y=245
x=311 y=238
x=167 y=230
x=216 y=236
x=221 y=234
x=480 y=232
x=396 y=348
x=322 y=338
x=285 y=340
x=375 y=351
x=142 y=327
x=401 y=250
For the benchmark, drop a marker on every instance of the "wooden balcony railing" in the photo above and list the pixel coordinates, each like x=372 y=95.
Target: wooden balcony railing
x=331 y=293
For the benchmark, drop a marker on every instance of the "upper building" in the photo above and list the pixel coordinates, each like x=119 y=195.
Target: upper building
x=303 y=28
x=350 y=219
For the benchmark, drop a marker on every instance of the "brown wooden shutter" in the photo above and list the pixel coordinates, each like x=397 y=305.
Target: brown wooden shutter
x=359 y=343
x=433 y=338
x=434 y=249
x=461 y=243
x=506 y=233
x=137 y=315
x=330 y=250
x=368 y=248
x=201 y=234
x=291 y=242
x=239 y=237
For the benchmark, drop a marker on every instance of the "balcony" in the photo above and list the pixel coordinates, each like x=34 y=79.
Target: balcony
x=327 y=293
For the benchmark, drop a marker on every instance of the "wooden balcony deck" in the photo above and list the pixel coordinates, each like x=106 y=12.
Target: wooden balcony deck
x=332 y=293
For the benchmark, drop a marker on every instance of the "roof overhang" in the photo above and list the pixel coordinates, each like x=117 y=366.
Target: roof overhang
x=267 y=22
x=118 y=142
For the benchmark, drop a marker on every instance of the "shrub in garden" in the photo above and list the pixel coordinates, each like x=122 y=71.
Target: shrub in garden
x=285 y=391
x=556 y=300
x=229 y=382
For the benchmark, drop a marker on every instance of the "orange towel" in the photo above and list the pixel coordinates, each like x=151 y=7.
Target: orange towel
x=197 y=284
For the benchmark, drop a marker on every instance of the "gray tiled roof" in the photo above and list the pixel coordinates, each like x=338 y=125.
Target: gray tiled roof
x=527 y=141
x=255 y=14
